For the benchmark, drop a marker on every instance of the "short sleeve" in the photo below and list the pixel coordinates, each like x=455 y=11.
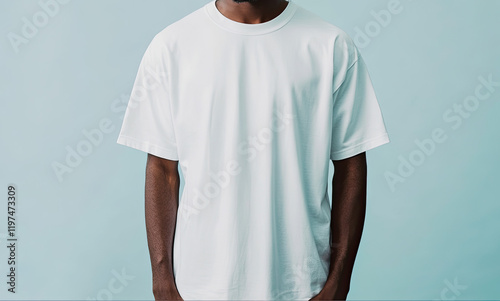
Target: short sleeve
x=357 y=124
x=148 y=124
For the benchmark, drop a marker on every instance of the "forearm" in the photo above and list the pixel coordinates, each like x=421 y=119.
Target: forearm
x=347 y=220
x=161 y=203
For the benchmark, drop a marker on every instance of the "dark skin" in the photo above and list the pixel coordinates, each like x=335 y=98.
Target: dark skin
x=348 y=194
x=346 y=226
x=161 y=203
x=347 y=220
x=251 y=12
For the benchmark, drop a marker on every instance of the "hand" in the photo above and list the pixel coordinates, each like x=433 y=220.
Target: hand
x=330 y=293
x=166 y=292
x=169 y=295
x=321 y=297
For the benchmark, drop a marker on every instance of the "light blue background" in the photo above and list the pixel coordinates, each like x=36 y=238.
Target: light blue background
x=438 y=226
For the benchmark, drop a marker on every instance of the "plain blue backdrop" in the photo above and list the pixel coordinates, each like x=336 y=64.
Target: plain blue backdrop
x=432 y=226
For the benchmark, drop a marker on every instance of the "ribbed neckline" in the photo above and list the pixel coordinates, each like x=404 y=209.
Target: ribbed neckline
x=250 y=29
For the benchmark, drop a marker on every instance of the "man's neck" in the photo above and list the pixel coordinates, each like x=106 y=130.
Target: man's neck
x=251 y=12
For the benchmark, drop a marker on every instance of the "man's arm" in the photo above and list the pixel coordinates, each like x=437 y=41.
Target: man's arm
x=161 y=203
x=346 y=227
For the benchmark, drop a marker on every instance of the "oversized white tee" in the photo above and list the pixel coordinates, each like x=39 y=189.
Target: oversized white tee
x=253 y=113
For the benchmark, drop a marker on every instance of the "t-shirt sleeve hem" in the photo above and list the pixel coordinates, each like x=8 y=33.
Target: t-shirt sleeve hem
x=361 y=147
x=148 y=147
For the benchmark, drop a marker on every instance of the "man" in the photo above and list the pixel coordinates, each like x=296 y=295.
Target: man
x=251 y=100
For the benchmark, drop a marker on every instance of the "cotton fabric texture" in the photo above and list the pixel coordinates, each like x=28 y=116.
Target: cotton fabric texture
x=253 y=113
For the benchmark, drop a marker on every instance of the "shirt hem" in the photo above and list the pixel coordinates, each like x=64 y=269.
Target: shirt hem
x=360 y=147
x=148 y=148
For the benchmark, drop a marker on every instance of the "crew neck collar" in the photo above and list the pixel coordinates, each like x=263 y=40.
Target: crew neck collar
x=250 y=29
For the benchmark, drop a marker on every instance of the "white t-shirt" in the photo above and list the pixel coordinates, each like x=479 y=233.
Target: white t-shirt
x=253 y=113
